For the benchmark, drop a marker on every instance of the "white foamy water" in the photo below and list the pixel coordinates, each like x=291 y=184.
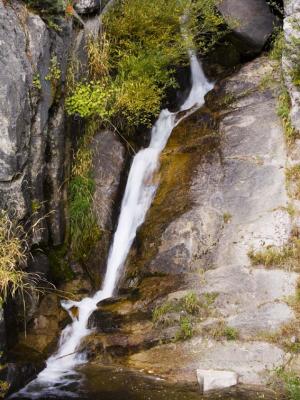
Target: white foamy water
x=140 y=190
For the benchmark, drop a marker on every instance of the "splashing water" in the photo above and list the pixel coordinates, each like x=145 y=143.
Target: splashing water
x=59 y=373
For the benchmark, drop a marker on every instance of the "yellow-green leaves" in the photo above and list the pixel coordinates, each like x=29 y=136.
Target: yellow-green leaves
x=131 y=66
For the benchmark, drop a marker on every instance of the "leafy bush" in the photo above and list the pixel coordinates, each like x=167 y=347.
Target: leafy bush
x=131 y=65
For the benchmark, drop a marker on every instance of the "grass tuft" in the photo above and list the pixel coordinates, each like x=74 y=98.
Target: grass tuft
x=84 y=231
x=14 y=251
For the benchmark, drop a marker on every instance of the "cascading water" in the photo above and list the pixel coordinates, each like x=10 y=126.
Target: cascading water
x=140 y=190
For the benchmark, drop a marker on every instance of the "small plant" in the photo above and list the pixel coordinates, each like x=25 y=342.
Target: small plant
x=283 y=111
x=98 y=55
x=4 y=386
x=291 y=382
x=35 y=206
x=287 y=256
x=160 y=311
x=186 y=329
x=37 y=82
x=278 y=45
x=227 y=217
x=54 y=73
x=293 y=177
x=190 y=303
x=210 y=298
x=231 y=333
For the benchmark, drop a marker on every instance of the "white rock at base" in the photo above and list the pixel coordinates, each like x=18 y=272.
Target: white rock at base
x=210 y=379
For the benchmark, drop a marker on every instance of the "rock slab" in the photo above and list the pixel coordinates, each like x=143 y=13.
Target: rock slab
x=213 y=379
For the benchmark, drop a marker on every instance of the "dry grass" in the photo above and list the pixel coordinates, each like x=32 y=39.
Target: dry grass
x=14 y=251
x=98 y=55
x=287 y=256
x=293 y=179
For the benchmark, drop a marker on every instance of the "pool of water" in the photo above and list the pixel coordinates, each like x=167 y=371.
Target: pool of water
x=96 y=382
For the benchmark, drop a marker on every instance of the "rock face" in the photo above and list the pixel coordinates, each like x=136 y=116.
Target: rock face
x=222 y=193
x=33 y=62
x=108 y=159
x=212 y=380
x=252 y=23
x=291 y=57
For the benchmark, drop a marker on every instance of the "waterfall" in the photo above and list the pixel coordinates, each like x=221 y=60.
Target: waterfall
x=138 y=196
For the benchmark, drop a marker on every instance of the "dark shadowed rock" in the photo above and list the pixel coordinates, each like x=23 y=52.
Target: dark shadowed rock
x=253 y=23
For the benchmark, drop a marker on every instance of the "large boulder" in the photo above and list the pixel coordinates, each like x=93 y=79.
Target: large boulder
x=252 y=23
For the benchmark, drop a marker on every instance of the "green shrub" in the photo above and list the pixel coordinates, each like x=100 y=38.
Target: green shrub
x=131 y=65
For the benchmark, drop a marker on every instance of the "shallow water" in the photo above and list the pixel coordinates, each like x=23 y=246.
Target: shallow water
x=96 y=382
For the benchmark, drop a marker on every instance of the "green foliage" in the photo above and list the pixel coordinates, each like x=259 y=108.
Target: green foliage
x=131 y=65
x=230 y=333
x=291 y=382
x=190 y=303
x=54 y=73
x=186 y=329
x=160 y=311
x=278 y=44
x=90 y=99
x=283 y=111
x=37 y=81
x=35 y=206
x=84 y=231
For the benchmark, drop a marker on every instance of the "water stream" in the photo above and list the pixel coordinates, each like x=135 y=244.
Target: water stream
x=60 y=372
